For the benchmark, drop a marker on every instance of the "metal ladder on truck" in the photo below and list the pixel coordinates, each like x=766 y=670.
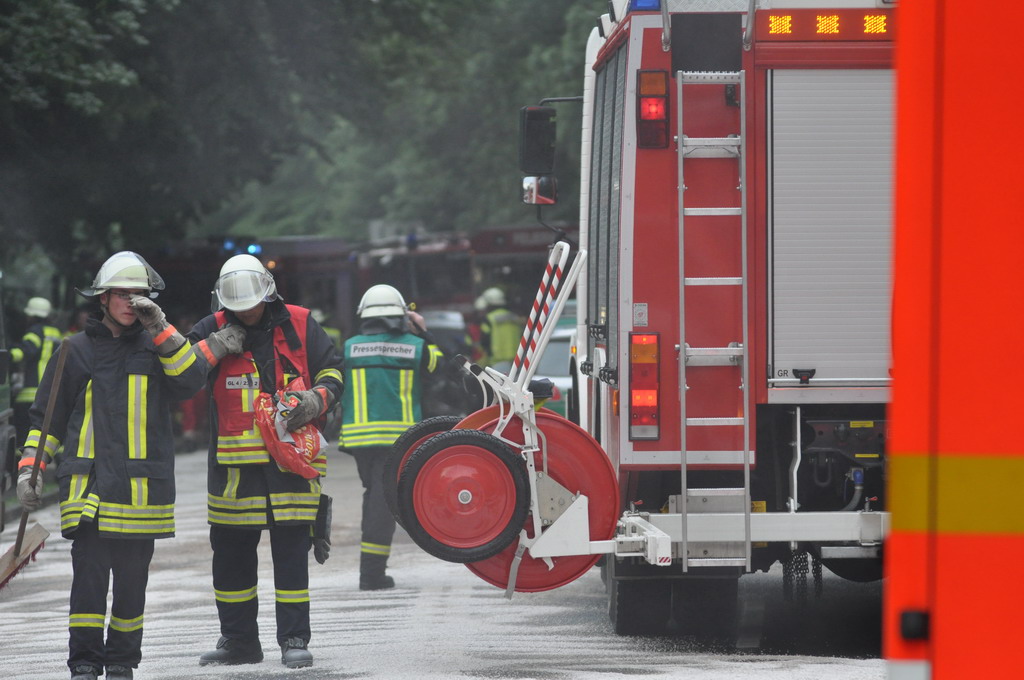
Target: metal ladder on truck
x=729 y=352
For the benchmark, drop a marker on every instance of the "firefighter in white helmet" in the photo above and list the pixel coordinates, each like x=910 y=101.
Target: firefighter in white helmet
x=33 y=352
x=385 y=366
x=501 y=329
x=248 y=491
x=112 y=416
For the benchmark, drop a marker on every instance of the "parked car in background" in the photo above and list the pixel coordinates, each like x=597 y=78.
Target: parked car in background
x=449 y=329
x=554 y=365
x=447 y=395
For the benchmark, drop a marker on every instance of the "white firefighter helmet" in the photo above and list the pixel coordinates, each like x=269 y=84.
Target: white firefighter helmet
x=244 y=283
x=38 y=307
x=125 y=270
x=381 y=300
x=493 y=297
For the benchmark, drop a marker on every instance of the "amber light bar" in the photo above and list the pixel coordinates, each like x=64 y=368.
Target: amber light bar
x=804 y=25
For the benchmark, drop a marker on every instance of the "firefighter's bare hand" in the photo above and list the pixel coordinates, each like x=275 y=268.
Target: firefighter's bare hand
x=149 y=314
x=227 y=340
x=28 y=495
x=309 y=404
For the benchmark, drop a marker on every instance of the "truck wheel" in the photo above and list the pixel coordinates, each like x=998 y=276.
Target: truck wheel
x=638 y=607
x=463 y=496
x=705 y=607
x=403 y=448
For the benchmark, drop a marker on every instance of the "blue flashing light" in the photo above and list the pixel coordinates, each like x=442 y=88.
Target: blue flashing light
x=254 y=249
x=645 y=6
x=229 y=244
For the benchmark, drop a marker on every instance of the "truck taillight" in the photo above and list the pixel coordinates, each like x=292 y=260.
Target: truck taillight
x=652 y=109
x=643 y=386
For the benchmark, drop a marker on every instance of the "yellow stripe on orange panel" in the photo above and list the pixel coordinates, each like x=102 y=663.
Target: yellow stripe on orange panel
x=974 y=494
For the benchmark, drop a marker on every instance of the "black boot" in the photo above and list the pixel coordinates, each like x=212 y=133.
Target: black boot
x=84 y=673
x=371 y=572
x=118 y=672
x=294 y=653
x=233 y=652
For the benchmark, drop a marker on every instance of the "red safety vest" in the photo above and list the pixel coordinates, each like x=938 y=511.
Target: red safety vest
x=238 y=382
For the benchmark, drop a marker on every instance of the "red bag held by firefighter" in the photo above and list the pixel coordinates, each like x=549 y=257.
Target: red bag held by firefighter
x=294 y=451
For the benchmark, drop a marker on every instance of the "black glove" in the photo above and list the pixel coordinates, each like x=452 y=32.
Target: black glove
x=322 y=530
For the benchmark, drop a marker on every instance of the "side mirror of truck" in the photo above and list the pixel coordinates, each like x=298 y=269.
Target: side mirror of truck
x=537 y=140
x=541 y=190
x=5 y=364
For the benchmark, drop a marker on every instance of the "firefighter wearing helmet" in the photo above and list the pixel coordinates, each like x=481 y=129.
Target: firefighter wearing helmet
x=33 y=352
x=248 y=491
x=112 y=416
x=501 y=330
x=385 y=366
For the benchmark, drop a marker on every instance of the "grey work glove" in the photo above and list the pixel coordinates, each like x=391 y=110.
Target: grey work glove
x=150 y=315
x=165 y=336
x=308 y=404
x=219 y=344
x=29 y=496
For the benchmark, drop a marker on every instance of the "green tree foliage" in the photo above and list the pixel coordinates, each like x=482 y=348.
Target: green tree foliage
x=441 y=150
x=123 y=122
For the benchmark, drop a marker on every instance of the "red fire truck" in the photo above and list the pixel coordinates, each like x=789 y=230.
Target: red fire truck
x=733 y=341
x=737 y=303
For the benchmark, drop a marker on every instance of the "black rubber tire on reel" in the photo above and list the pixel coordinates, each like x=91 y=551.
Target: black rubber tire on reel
x=402 y=449
x=463 y=496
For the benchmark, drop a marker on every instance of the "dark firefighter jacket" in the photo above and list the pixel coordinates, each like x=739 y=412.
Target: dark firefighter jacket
x=384 y=370
x=33 y=352
x=246 y=488
x=113 y=418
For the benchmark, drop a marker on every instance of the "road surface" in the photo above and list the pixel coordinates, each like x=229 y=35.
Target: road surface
x=440 y=622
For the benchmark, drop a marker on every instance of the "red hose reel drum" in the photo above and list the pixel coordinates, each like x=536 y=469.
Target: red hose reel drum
x=577 y=462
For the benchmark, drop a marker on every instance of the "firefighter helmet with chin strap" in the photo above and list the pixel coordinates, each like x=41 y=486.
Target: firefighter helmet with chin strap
x=124 y=270
x=381 y=300
x=244 y=283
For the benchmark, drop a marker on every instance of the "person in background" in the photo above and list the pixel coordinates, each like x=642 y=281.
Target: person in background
x=333 y=333
x=385 y=365
x=32 y=353
x=248 y=491
x=112 y=415
x=81 y=318
x=500 y=330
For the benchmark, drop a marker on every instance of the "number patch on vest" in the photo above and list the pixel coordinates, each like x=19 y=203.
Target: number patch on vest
x=383 y=349
x=242 y=382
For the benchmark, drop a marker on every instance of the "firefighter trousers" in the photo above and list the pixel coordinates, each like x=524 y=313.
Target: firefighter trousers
x=235 y=577
x=93 y=559
x=378 y=525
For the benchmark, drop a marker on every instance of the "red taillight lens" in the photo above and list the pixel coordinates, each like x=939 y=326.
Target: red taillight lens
x=644 y=391
x=652 y=109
